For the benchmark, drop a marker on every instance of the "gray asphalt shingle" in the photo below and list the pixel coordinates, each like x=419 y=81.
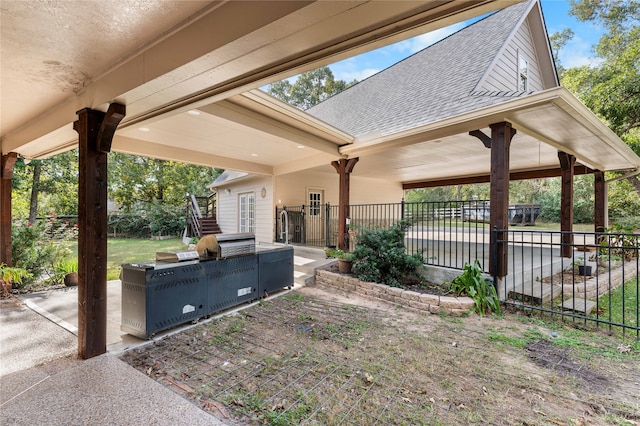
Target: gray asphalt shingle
x=433 y=84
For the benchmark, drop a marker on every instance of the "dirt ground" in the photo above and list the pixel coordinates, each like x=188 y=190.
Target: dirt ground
x=314 y=358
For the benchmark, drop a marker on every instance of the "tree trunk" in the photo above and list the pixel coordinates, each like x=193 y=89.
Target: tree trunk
x=35 y=189
x=635 y=182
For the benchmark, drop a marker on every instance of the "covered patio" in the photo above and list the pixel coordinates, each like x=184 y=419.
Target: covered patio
x=190 y=94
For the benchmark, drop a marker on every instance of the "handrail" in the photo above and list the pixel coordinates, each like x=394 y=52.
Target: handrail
x=193 y=216
x=195 y=206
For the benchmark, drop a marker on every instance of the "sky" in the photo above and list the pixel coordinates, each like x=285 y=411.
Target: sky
x=556 y=14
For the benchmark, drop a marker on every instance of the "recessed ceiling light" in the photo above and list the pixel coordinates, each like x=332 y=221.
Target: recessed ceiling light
x=254 y=155
x=300 y=146
x=193 y=112
x=144 y=129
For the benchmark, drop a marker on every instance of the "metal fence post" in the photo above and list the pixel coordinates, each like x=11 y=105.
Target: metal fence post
x=303 y=227
x=327 y=225
x=494 y=265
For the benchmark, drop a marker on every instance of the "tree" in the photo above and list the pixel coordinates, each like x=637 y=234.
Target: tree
x=46 y=185
x=611 y=87
x=139 y=181
x=309 y=89
x=558 y=41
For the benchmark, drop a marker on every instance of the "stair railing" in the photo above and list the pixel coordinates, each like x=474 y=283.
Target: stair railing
x=193 y=216
x=210 y=209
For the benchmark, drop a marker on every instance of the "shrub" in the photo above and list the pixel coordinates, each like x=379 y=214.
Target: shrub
x=10 y=276
x=380 y=256
x=472 y=284
x=34 y=251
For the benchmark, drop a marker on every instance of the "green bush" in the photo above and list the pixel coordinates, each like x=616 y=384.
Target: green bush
x=128 y=225
x=380 y=256
x=472 y=284
x=165 y=219
x=35 y=251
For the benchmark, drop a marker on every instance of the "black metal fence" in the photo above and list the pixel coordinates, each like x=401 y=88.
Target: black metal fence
x=448 y=234
x=597 y=285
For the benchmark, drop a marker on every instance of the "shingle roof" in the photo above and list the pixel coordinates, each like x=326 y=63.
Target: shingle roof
x=433 y=84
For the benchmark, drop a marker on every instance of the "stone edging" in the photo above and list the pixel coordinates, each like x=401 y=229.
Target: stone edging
x=412 y=300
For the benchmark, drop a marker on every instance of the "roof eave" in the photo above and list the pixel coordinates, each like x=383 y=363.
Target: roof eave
x=559 y=97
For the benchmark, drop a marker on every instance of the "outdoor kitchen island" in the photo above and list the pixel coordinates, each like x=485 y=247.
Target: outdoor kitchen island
x=181 y=287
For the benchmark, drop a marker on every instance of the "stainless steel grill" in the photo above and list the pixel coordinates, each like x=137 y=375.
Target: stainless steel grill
x=240 y=244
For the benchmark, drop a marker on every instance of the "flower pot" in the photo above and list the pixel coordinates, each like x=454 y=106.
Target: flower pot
x=344 y=266
x=71 y=279
x=584 y=270
x=5 y=291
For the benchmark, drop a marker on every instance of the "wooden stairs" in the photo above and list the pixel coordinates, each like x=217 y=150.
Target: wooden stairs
x=209 y=225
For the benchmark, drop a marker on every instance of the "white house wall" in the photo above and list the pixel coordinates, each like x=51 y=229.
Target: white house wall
x=504 y=75
x=228 y=207
x=292 y=189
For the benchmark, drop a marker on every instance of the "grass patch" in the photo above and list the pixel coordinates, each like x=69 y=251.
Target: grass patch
x=622 y=305
x=131 y=250
x=528 y=336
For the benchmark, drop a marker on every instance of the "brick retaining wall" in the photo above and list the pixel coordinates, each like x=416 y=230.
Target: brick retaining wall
x=411 y=300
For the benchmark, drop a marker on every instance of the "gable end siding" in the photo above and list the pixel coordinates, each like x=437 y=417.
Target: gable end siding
x=504 y=75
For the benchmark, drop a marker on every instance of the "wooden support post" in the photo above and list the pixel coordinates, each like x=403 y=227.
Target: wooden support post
x=501 y=135
x=344 y=168
x=600 y=203
x=567 y=162
x=6 y=177
x=91 y=126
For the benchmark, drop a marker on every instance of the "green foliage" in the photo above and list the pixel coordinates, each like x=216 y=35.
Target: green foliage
x=309 y=89
x=35 y=251
x=135 y=182
x=339 y=254
x=128 y=225
x=448 y=193
x=165 y=219
x=380 y=256
x=63 y=267
x=57 y=185
x=12 y=275
x=472 y=284
x=557 y=42
x=583 y=199
x=620 y=243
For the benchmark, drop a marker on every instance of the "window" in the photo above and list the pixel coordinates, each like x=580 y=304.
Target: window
x=523 y=73
x=315 y=203
x=247 y=212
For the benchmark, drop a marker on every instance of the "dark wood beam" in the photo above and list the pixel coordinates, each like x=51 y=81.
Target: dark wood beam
x=6 y=178
x=486 y=140
x=501 y=135
x=112 y=118
x=567 y=162
x=579 y=169
x=343 y=167
x=94 y=128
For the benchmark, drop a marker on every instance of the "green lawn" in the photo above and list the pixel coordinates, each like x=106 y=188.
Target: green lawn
x=131 y=250
x=623 y=309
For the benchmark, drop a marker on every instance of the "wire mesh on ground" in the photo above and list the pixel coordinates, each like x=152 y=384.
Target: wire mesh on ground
x=299 y=359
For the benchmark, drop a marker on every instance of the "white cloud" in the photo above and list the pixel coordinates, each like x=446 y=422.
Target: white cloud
x=576 y=53
x=359 y=75
x=418 y=43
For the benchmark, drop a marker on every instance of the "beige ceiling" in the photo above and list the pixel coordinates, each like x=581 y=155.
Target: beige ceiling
x=168 y=60
x=158 y=57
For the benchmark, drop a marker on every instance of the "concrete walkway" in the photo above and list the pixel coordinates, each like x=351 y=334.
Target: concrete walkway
x=43 y=383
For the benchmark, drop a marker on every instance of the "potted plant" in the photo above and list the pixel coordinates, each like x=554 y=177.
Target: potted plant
x=583 y=269
x=68 y=268
x=10 y=276
x=345 y=259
